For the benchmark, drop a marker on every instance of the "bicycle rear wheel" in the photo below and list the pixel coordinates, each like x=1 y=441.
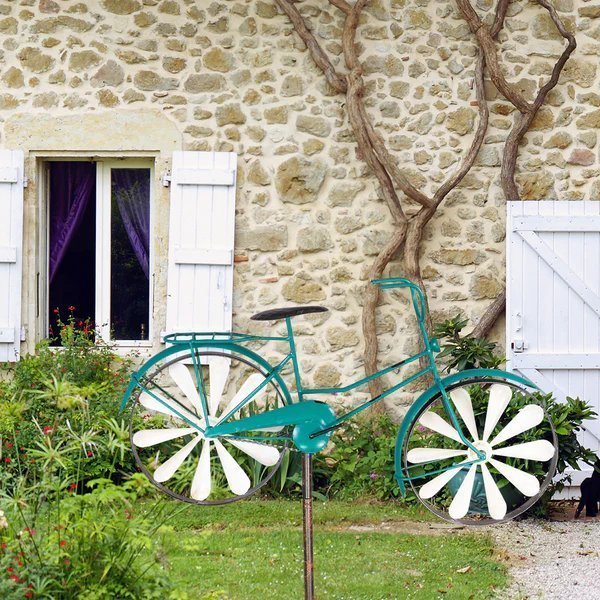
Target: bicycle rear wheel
x=500 y=418
x=171 y=407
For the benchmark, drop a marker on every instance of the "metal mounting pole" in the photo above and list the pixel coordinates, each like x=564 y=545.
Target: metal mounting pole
x=307 y=521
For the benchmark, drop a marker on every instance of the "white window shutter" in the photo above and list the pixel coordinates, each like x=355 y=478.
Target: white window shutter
x=11 y=252
x=201 y=230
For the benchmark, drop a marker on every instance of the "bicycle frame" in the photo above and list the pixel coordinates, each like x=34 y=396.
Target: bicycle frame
x=276 y=417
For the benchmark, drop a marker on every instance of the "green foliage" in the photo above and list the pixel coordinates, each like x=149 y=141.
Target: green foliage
x=57 y=544
x=66 y=400
x=463 y=351
x=361 y=461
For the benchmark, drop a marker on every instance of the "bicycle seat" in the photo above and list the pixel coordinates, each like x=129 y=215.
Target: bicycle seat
x=289 y=311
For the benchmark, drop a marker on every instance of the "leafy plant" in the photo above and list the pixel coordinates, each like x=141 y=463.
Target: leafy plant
x=463 y=351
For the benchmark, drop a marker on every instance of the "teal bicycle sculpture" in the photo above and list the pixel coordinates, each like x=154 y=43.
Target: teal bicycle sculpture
x=211 y=422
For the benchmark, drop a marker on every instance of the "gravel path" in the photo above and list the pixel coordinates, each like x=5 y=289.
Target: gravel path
x=551 y=560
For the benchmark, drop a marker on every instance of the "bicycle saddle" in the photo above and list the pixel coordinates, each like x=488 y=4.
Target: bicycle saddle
x=289 y=311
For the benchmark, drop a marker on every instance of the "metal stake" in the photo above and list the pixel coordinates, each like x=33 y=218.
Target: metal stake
x=307 y=506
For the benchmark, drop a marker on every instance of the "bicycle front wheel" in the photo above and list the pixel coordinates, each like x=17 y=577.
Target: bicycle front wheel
x=506 y=422
x=172 y=405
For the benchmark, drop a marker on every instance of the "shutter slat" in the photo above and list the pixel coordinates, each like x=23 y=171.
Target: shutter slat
x=8 y=254
x=204 y=177
x=203 y=256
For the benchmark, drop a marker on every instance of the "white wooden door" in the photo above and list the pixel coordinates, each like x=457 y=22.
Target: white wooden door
x=11 y=252
x=553 y=301
x=201 y=237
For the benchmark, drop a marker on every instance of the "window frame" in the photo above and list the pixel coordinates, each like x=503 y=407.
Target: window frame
x=103 y=250
x=104 y=164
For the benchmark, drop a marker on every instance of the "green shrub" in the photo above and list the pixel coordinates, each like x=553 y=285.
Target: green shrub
x=57 y=544
x=71 y=395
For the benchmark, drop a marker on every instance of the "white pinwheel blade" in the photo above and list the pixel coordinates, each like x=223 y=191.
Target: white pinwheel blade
x=495 y=500
x=247 y=387
x=169 y=467
x=434 y=422
x=500 y=396
x=538 y=450
x=420 y=455
x=238 y=481
x=265 y=455
x=168 y=408
x=181 y=375
x=462 y=401
x=528 y=417
x=459 y=507
x=527 y=484
x=201 y=484
x=432 y=487
x=151 y=437
x=218 y=371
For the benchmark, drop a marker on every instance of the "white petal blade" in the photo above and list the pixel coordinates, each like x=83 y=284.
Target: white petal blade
x=495 y=500
x=541 y=450
x=169 y=467
x=500 y=396
x=151 y=437
x=527 y=484
x=171 y=409
x=460 y=505
x=421 y=455
x=434 y=422
x=218 y=371
x=201 y=484
x=432 y=487
x=247 y=387
x=528 y=417
x=462 y=401
x=180 y=373
x=238 y=481
x=264 y=454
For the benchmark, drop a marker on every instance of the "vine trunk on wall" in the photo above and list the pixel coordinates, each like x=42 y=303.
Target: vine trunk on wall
x=399 y=194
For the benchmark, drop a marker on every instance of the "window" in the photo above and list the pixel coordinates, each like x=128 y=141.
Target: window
x=99 y=260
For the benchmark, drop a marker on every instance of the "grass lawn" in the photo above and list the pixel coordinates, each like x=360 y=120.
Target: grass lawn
x=253 y=550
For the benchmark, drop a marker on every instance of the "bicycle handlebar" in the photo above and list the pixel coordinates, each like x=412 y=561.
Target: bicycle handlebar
x=418 y=299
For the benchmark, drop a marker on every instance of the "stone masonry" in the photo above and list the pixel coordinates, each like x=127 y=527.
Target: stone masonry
x=230 y=75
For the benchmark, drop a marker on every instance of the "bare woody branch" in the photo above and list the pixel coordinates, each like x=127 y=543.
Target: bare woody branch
x=342 y=5
x=524 y=119
x=337 y=81
x=488 y=47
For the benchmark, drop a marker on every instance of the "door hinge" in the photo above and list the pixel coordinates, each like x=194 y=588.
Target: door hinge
x=25 y=182
x=165 y=178
x=23 y=334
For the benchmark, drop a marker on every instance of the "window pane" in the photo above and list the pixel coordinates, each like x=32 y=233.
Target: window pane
x=71 y=246
x=129 y=254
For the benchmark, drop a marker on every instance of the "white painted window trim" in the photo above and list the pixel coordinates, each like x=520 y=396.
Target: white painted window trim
x=103 y=246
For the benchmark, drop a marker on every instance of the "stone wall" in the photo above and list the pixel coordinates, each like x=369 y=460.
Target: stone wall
x=231 y=75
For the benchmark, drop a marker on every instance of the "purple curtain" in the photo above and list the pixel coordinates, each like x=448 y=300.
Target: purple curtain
x=131 y=188
x=72 y=187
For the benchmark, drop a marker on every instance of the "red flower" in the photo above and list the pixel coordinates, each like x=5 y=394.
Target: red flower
x=28 y=594
x=7 y=460
x=71 y=308
x=9 y=570
x=73 y=487
x=55 y=311
x=90 y=453
x=9 y=445
x=47 y=430
x=67 y=561
x=63 y=542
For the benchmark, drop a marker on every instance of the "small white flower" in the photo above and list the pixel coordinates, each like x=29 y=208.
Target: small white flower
x=3 y=521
